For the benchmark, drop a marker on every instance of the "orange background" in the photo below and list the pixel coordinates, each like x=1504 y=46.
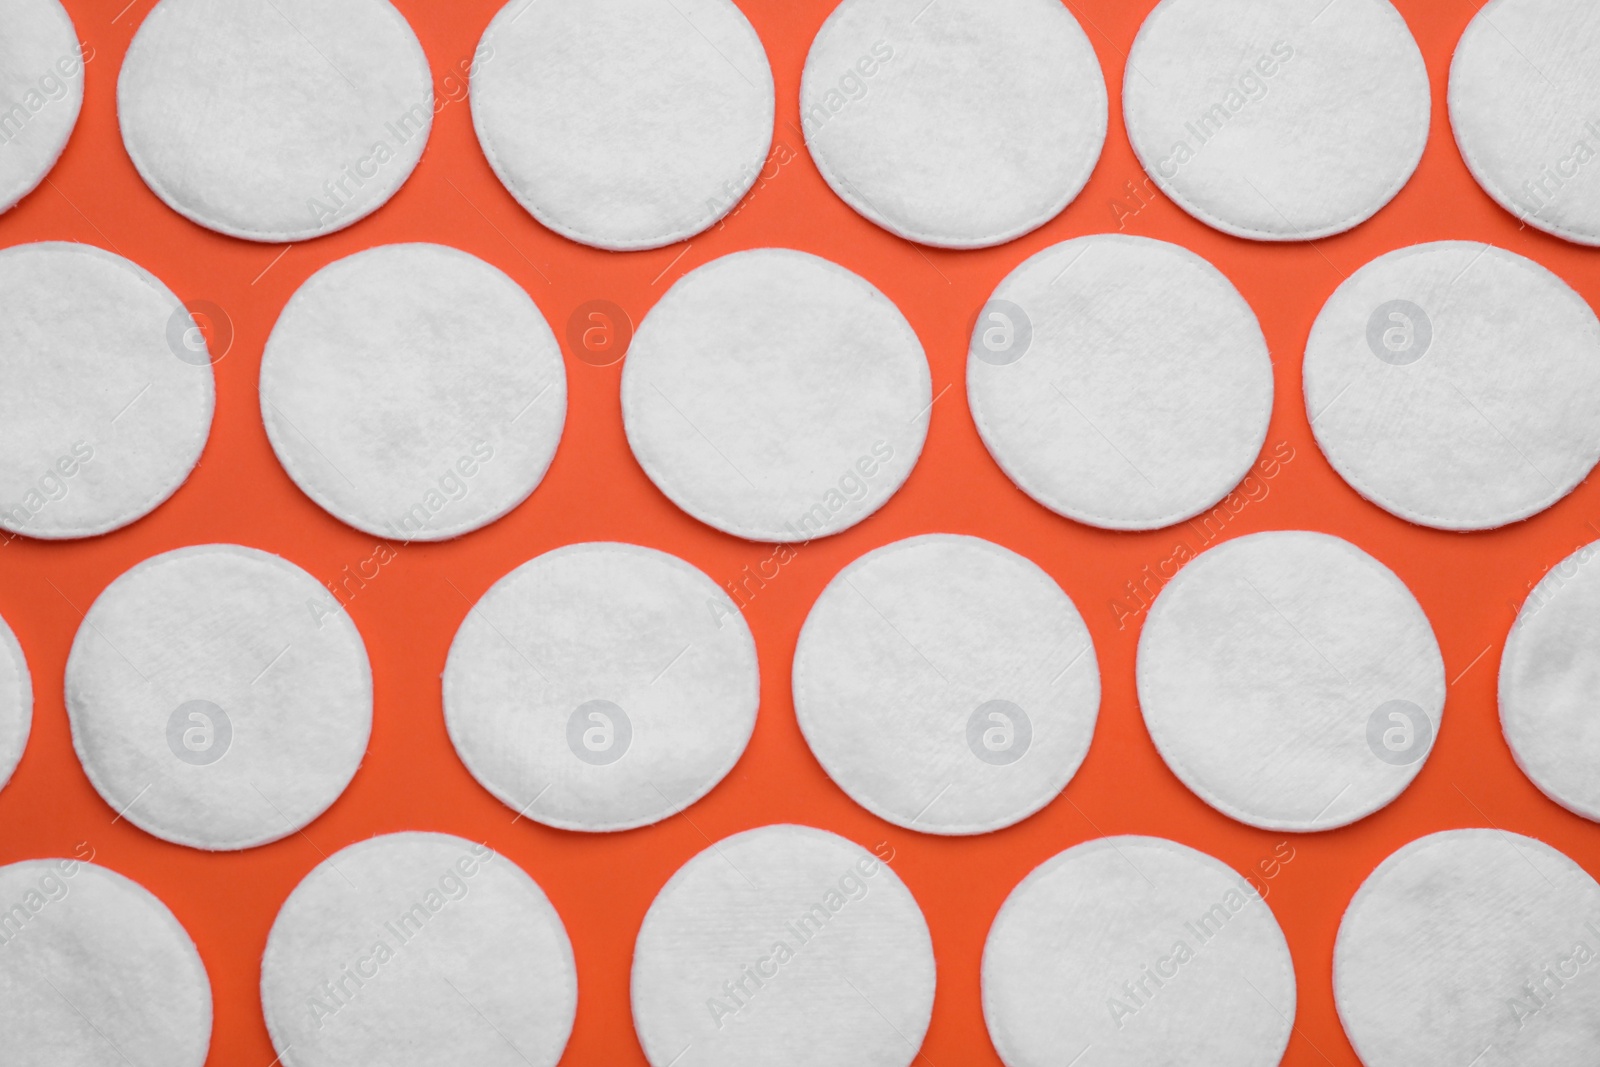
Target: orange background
x=1470 y=585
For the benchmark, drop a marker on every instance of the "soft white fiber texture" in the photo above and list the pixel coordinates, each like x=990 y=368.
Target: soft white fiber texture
x=1139 y=952
x=624 y=124
x=219 y=697
x=1120 y=381
x=785 y=946
x=960 y=123
x=1277 y=120
x=275 y=120
x=16 y=703
x=601 y=687
x=413 y=391
x=1290 y=680
x=1525 y=107
x=415 y=950
x=41 y=92
x=776 y=396
x=100 y=418
x=96 y=972
x=1472 y=946
x=1456 y=385
x=947 y=684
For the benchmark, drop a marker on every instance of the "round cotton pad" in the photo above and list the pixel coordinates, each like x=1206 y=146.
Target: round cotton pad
x=784 y=946
x=41 y=91
x=776 y=396
x=16 y=703
x=1120 y=381
x=1278 y=120
x=102 y=415
x=947 y=684
x=1456 y=385
x=416 y=949
x=95 y=971
x=1472 y=946
x=1143 y=950
x=413 y=391
x=601 y=687
x=1525 y=106
x=960 y=124
x=275 y=120
x=1290 y=680
x=624 y=123
x=219 y=697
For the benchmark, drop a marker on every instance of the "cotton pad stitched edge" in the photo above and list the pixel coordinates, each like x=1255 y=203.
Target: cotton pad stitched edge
x=41 y=93
x=16 y=703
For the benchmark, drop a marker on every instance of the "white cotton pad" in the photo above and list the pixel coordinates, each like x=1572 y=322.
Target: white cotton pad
x=275 y=120
x=1525 y=107
x=418 y=949
x=947 y=684
x=1277 y=120
x=1145 y=951
x=16 y=703
x=1456 y=385
x=95 y=971
x=601 y=687
x=960 y=123
x=1473 y=947
x=108 y=391
x=1549 y=675
x=41 y=92
x=624 y=124
x=1290 y=680
x=219 y=697
x=413 y=391
x=776 y=396
x=1120 y=381
x=785 y=946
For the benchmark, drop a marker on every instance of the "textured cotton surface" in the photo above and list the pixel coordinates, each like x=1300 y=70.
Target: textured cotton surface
x=1146 y=952
x=1290 y=680
x=947 y=684
x=1120 y=381
x=219 y=697
x=1456 y=385
x=41 y=92
x=101 y=417
x=624 y=123
x=1472 y=946
x=962 y=123
x=1277 y=120
x=601 y=687
x=275 y=120
x=94 y=971
x=1525 y=107
x=786 y=946
x=16 y=703
x=776 y=396
x=414 y=391
x=417 y=949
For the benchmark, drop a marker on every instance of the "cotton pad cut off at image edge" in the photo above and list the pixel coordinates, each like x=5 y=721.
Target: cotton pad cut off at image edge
x=41 y=85
x=16 y=703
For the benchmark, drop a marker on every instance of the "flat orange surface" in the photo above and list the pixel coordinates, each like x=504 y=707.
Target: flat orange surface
x=1470 y=585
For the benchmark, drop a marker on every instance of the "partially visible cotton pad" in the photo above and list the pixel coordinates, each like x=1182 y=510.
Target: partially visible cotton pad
x=960 y=123
x=219 y=697
x=1120 y=381
x=418 y=949
x=275 y=120
x=947 y=684
x=41 y=92
x=776 y=396
x=413 y=391
x=1291 y=680
x=1456 y=385
x=785 y=946
x=1472 y=947
x=1525 y=107
x=1277 y=120
x=16 y=703
x=624 y=124
x=108 y=391
x=95 y=971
